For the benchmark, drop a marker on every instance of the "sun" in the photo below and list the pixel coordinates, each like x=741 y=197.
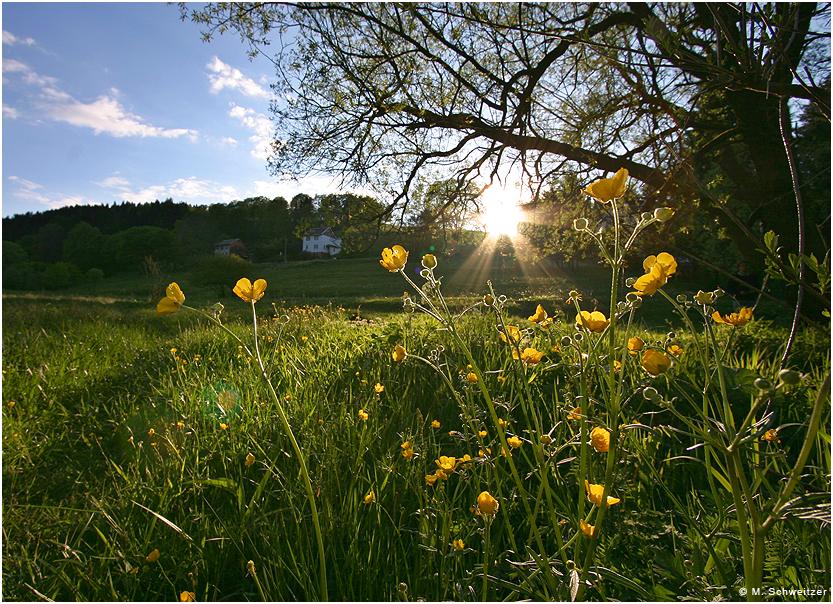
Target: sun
x=501 y=213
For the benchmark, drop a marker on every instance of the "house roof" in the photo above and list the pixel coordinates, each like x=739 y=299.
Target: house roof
x=317 y=231
x=227 y=242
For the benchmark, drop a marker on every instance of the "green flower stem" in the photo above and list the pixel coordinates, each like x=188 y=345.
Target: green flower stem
x=322 y=561
x=484 y=590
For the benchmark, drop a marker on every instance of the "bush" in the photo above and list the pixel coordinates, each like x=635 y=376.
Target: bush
x=94 y=275
x=61 y=275
x=221 y=270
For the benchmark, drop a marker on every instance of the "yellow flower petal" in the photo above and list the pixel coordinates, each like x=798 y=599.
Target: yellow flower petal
x=606 y=189
x=167 y=306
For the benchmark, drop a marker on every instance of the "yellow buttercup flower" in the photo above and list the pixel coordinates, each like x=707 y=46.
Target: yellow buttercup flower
x=540 y=315
x=429 y=261
x=655 y=362
x=408 y=454
x=665 y=261
x=471 y=378
x=173 y=300
x=594 y=321
x=657 y=271
x=223 y=426
x=378 y=388
x=574 y=414
x=431 y=479
x=675 y=350
x=512 y=332
x=486 y=504
x=502 y=423
x=588 y=529
x=606 y=189
x=394 y=259
x=435 y=424
x=771 y=436
x=446 y=464
x=735 y=319
x=250 y=459
x=249 y=292
x=363 y=415
x=187 y=596
x=546 y=439
x=515 y=442
x=458 y=545
x=369 y=498
x=398 y=354
x=483 y=434
x=635 y=345
x=594 y=494
x=600 y=439
x=530 y=356
x=153 y=556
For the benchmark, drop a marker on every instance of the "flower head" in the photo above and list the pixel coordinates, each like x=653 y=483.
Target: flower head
x=153 y=556
x=486 y=504
x=594 y=494
x=173 y=300
x=588 y=529
x=458 y=545
x=594 y=321
x=431 y=479
x=512 y=333
x=530 y=356
x=514 y=442
x=600 y=439
x=446 y=464
x=249 y=292
x=546 y=439
x=635 y=345
x=471 y=377
x=398 y=354
x=378 y=388
x=435 y=424
x=704 y=298
x=655 y=362
x=657 y=271
x=771 y=436
x=250 y=459
x=187 y=596
x=540 y=315
x=574 y=414
x=676 y=350
x=429 y=261
x=606 y=189
x=363 y=415
x=394 y=259
x=369 y=498
x=735 y=319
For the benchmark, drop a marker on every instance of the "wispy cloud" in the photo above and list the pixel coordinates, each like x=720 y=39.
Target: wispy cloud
x=28 y=190
x=260 y=126
x=10 y=39
x=229 y=141
x=104 y=115
x=190 y=190
x=10 y=112
x=221 y=75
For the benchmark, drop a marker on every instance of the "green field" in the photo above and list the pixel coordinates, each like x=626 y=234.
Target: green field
x=125 y=432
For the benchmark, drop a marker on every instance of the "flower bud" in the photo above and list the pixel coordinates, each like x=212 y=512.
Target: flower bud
x=650 y=393
x=762 y=384
x=718 y=292
x=580 y=224
x=646 y=216
x=663 y=214
x=566 y=341
x=488 y=299
x=789 y=377
x=704 y=298
x=682 y=298
x=630 y=281
x=631 y=297
x=429 y=261
x=578 y=336
x=671 y=335
x=575 y=295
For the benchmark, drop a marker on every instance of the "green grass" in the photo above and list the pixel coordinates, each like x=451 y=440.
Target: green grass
x=89 y=492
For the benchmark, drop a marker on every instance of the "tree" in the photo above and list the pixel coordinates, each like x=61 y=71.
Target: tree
x=691 y=98
x=83 y=246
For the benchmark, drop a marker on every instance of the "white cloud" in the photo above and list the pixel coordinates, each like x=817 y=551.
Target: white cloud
x=112 y=182
x=227 y=140
x=11 y=39
x=222 y=75
x=190 y=190
x=31 y=191
x=104 y=115
x=261 y=127
x=10 y=112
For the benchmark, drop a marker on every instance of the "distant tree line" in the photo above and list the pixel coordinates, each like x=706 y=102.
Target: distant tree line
x=67 y=246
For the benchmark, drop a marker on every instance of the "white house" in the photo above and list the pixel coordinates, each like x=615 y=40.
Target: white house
x=321 y=240
x=226 y=247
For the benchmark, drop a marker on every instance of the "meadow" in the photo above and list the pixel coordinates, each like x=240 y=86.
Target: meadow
x=144 y=459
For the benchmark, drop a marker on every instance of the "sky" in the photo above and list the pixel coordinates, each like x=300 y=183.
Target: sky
x=105 y=103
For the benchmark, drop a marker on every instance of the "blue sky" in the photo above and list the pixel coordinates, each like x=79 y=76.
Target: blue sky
x=112 y=102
